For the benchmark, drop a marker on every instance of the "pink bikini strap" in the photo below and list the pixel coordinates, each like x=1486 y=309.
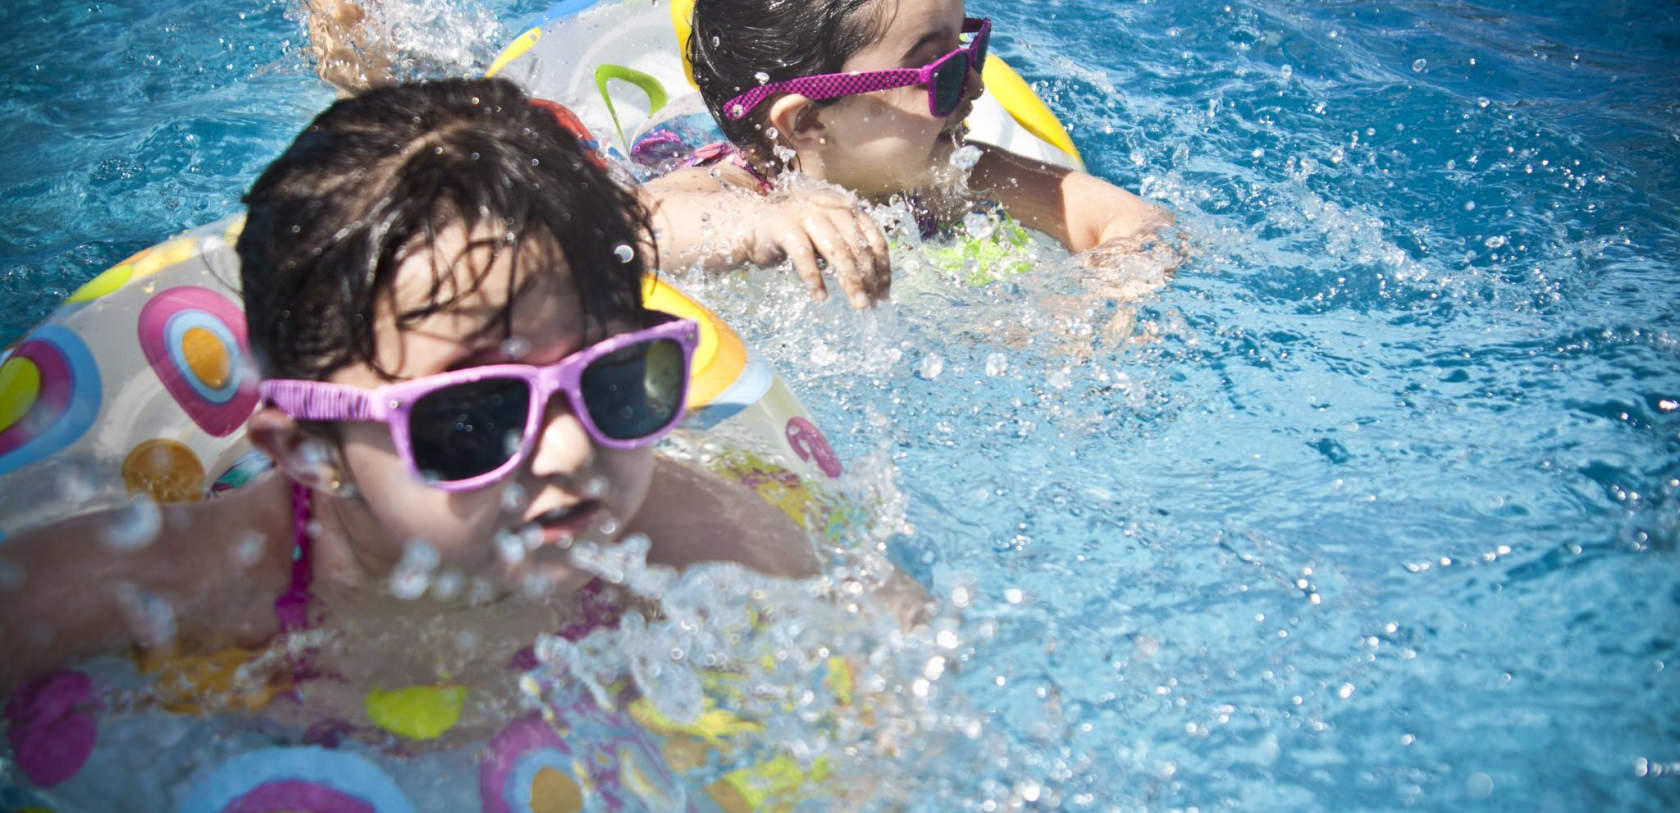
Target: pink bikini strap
x=292 y=607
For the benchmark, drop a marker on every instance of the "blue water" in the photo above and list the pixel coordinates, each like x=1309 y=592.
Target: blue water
x=1374 y=505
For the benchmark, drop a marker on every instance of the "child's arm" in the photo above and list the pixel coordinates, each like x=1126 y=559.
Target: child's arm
x=341 y=46
x=693 y=516
x=705 y=518
x=1078 y=209
x=103 y=582
x=719 y=222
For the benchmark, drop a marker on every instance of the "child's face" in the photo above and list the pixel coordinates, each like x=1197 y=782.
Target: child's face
x=882 y=143
x=567 y=488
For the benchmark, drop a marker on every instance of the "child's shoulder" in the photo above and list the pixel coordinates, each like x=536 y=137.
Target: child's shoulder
x=693 y=516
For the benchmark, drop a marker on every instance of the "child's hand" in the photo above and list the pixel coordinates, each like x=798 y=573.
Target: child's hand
x=812 y=227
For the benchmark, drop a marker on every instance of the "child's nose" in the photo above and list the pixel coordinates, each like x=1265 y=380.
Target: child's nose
x=563 y=446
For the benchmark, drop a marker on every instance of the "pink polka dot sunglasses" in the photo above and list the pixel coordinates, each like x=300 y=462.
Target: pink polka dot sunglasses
x=945 y=78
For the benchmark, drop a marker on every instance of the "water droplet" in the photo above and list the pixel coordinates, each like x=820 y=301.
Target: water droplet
x=151 y=617
x=74 y=484
x=931 y=366
x=1496 y=241
x=554 y=650
x=248 y=549
x=1418 y=65
x=595 y=488
x=412 y=575
x=536 y=586
x=510 y=546
x=515 y=348
x=996 y=364
x=481 y=591
x=447 y=586
x=965 y=157
x=979 y=225
x=762 y=77
x=513 y=498
x=624 y=253
x=532 y=536
x=134 y=526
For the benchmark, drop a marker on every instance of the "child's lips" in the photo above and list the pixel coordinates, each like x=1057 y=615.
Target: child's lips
x=561 y=525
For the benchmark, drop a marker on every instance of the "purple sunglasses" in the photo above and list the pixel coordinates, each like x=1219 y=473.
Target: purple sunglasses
x=466 y=429
x=945 y=78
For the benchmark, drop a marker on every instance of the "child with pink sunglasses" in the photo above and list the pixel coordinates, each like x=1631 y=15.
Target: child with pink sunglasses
x=869 y=95
x=439 y=287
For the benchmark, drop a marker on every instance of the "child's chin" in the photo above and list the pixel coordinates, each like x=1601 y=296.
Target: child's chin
x=544 y=577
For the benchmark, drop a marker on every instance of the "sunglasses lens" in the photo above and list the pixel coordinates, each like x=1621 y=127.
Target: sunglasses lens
x=982 y=42
x=949 y=82
x=636 y=391
x=467 y=430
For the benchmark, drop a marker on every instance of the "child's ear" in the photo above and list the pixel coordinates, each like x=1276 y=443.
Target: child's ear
x=797 y=122
x=302 y=456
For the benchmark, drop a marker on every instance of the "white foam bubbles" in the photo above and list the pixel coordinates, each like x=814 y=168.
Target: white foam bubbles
x=412 y=575
x=134 y=526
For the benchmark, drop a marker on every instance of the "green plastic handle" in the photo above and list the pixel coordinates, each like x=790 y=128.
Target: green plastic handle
x=655 y=93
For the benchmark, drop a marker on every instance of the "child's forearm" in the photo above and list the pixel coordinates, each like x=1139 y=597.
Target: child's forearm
x=1080 y=210
x=693 y=229
x=715 y=223
x=137 y=576
x=341 y=46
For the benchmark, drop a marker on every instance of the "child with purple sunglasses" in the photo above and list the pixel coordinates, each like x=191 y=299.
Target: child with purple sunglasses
x=870 y=95
x=459 y=368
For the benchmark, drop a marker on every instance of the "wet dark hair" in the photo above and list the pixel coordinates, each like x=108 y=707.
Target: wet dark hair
x=733 y=41
x=378 y=177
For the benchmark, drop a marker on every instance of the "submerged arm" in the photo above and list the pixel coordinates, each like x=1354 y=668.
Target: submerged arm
x=103 y=582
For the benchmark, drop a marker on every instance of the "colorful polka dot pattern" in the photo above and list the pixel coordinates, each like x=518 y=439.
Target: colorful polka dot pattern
x=49 y=396
x=194 y=339
x=306 y=778
x=808 y=443
x=166 y=470
x=605 y=762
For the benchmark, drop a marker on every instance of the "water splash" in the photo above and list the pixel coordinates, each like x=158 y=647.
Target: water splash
x=412 y=575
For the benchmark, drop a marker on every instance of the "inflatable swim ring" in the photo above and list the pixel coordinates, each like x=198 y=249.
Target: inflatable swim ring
x=141 y=382
x=138 y=388
x=621 y=65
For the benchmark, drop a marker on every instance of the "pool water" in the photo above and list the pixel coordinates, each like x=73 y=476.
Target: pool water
x=1375 y=504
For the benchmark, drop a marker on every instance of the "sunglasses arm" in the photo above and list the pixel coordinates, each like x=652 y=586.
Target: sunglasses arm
x=320 y=401
x=826 y=86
